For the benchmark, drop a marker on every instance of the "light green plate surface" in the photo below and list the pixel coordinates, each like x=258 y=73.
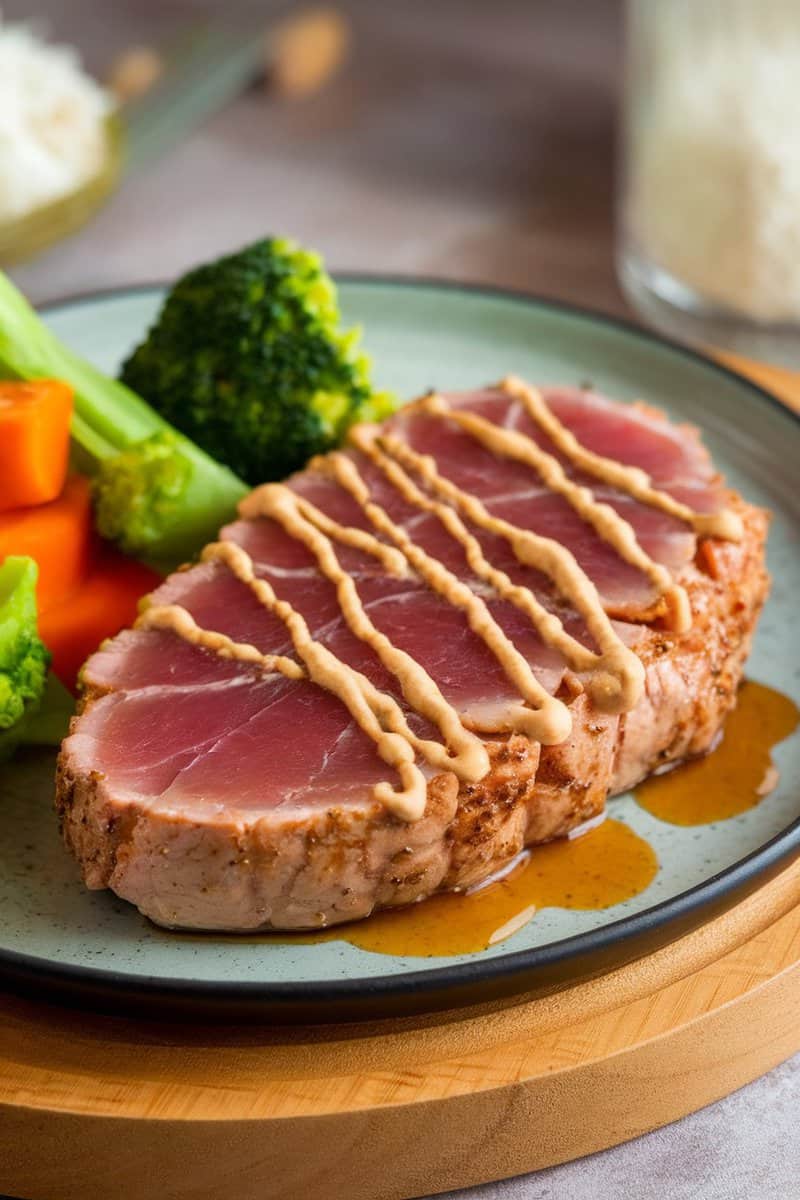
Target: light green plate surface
x=421 y=335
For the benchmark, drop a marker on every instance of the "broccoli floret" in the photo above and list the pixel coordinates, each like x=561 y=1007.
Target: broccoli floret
x=153 y=494
x=156 y=492
x=43 y=724
x=134 y=489
x=247 y=358
x=23 y=657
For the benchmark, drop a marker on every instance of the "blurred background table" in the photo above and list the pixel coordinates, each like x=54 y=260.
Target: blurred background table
x=462 y=139
x=468 y=140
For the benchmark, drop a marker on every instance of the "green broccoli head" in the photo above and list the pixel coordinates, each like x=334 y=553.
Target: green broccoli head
x=23 y=658
x=248 y=360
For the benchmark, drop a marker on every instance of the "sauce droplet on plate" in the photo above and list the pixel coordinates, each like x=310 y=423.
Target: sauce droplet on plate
x=737 y=775
x=606 y=865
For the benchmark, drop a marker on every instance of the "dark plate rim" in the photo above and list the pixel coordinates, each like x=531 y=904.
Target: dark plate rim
x=521 y=965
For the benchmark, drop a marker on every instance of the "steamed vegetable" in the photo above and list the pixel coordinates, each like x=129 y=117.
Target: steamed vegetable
x=106 y=602
x=45 y=724
x=156 y=493
x=248 y=358
x=35 y=708
x=23 y=657
x=58 y=535
x=34 y=440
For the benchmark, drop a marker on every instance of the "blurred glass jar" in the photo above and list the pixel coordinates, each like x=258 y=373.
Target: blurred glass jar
x=708 y=244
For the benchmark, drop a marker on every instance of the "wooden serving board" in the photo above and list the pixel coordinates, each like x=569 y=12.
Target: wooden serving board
x=96 y=1106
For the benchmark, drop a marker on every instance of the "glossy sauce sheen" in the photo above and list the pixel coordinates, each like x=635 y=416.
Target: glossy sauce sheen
x=734 y=777
x=604 y=866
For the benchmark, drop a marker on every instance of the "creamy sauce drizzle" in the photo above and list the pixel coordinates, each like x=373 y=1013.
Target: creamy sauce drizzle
x=548 y=721
x=176 y=619
x=378 y=715
x=615 y=674
x=468 y=756
x=633 y=481
x=607 y=523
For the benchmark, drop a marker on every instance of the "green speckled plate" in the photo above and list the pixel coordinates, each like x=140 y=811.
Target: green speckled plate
x=58 y=938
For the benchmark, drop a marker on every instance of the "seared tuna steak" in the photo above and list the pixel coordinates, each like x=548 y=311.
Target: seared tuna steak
x=217 y=779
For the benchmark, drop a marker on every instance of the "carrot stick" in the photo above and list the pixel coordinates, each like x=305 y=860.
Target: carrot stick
x=106 y=603
x=34 y=440
x=58 y=536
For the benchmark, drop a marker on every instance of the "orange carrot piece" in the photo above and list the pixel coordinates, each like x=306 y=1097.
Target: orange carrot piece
x=58 y=536
x=34 y=440
x=106 y=603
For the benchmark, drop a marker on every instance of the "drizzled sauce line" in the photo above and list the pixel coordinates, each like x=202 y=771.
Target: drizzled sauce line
x=466 y=753
x=633 y=481
x=578 y=655
x=176 y=619
x=548 y=720
x=392 y=560
x=378 y=715
x=617 y=675
x=606 y=522
x=614 y=674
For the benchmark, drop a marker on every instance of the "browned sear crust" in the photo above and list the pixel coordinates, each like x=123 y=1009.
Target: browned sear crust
x=292 y=873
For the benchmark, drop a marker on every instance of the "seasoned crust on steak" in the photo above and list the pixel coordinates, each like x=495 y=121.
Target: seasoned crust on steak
x=290 y=872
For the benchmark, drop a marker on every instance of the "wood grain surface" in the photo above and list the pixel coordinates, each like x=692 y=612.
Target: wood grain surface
x=396 y=1110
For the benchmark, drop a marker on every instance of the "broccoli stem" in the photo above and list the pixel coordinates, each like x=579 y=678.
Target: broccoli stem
x=156 y=493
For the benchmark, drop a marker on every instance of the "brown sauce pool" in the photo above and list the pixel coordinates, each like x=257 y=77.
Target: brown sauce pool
x=604 y=866
x=737 y=775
